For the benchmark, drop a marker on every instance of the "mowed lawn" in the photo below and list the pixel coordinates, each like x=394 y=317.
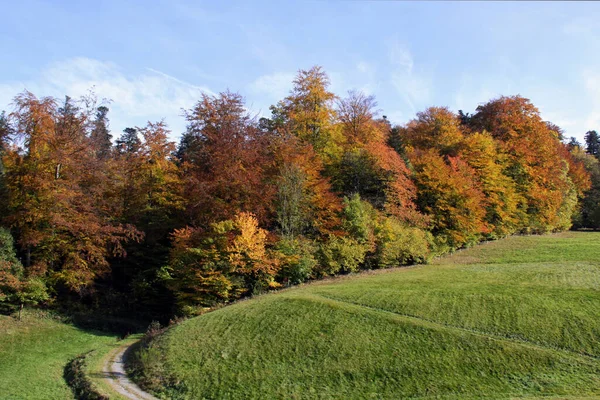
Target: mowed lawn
x=518 y=317
x=34 y=352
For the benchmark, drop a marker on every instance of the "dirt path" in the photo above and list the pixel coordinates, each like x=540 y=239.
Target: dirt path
x=115 y=376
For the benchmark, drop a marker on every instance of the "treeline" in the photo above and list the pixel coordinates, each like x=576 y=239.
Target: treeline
x=142 y=226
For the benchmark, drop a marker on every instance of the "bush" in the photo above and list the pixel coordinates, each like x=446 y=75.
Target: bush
x=398 y=244
x=360 y=219
x=340 y=255
x=297 y=260
x=80 y=384
x=15 y=288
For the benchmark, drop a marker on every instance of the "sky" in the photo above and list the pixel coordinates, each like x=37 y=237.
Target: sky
x=153 y=59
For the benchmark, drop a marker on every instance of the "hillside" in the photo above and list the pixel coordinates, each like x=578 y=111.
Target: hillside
x=34 y=353
x=514 y=318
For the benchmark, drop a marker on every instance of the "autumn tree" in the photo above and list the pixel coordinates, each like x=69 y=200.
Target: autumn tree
x=100 y=134
x=61 y=211
x=448 y=191
x=152 y=187
x=304 y=202
x=309 y=113
x=369 y=166
x=534 y=161
x=503 y=204
x=219 y=264
x=223 y=157
x=435 y=128
x=5 y=133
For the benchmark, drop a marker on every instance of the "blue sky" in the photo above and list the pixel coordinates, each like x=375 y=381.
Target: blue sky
x=154 y=58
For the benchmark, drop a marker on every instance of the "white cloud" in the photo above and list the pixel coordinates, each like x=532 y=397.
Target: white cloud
x=147 y=96
x=276 y=86
x=414 y=86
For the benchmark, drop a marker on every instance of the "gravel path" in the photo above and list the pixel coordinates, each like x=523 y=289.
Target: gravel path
x=114 y=371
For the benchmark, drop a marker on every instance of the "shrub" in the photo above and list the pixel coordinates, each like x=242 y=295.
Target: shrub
x=360 y=219
x=340 y=255
x=297 y=257
x=80 y=384
x=398 y=244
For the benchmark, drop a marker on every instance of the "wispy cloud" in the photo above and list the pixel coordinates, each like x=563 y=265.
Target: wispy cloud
x=413 y=84
x=591 y=81
x=150 y=95
x=270 y=88
x=275 y=86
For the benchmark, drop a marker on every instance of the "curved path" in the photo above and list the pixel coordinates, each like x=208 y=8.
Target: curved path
x=116 y=377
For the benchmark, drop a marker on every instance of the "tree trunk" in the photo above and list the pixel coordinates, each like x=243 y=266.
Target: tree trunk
x=28 y=257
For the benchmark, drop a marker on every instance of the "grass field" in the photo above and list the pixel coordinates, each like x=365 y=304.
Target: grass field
x=513 y=318
x=34 y=352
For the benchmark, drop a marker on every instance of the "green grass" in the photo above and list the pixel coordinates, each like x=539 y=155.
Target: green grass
x=34 y=352
x=513 y=318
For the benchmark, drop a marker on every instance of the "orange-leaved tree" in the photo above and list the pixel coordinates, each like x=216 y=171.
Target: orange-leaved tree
x=61 y=211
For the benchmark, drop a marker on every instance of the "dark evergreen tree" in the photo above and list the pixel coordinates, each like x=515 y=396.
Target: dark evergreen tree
x=592 y=143
x=100 y=135
x=573 y=142
x=129 y=142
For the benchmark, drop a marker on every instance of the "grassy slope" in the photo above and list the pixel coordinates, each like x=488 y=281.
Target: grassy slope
x=518 y=317
x=34 y=352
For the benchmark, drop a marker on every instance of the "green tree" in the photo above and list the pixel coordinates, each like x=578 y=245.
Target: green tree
x=589 y=212
x=129 y=142
x=16 y=290
x=592 y=143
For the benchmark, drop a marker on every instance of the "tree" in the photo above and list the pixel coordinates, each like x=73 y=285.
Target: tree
x=15 y=288
x=129 y=142
x=435 y=128
x=535 y=161
x=5 y=133
x=100 y=135
x=448 y=191
x=309 y=114
x=503 y=203
x=224 y=158
x=589 y=212
x=291 y=200
x=305 y=203
x=573 y=142
x=357 y=114
x=150 y=191
x=369 y=166
x=220 y=264
x=63 y=213
x=592 y=143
